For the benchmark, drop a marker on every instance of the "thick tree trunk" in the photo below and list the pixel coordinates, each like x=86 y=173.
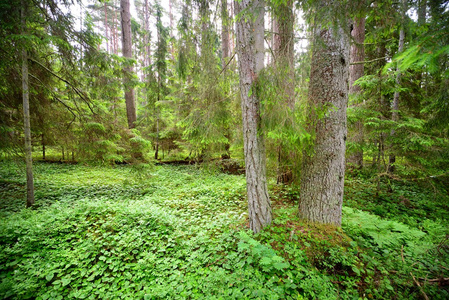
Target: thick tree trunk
x=128 y=69
x=250 y=41
x=395 y=104
x=26 y=118
x=323 y=168
x=356 y=71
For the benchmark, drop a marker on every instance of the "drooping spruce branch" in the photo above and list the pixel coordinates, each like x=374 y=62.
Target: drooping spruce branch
x=77 y=91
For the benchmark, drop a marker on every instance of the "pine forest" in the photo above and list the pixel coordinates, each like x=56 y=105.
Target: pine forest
x=224 y=149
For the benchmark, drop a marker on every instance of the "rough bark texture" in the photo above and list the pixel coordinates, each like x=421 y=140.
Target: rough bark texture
x=128 y=70
x=356 y=71
x=395 y=103
x=250 y=41
x=323 y=168
x=26 y=120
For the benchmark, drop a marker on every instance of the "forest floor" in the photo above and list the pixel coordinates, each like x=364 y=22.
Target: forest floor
x=177 y=232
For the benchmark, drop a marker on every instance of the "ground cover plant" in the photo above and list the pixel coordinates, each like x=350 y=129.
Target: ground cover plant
x=180 y=232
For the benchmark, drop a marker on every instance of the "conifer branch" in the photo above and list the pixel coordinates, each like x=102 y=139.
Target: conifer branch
x=77 y=91
x=368 y=61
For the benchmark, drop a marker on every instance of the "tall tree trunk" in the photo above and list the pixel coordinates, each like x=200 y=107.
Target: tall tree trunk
x=147 y=38
x=26 y=117
x=225 y=49
x=422 y=12
x=323 y=168
x=128 y=69
x=283 y=49
x=156 y=153
x=395 y=104
x=225 y=32
x=356 y=71
x=114 y=32
x=250 y=41
x=106 y=26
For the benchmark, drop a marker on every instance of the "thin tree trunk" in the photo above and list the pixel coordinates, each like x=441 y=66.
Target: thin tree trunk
x=323 y=167
x=128 y=69
x=106 y=26
x=147 y=39
x=422 y=12
x=170 y=14
x=156 y=153
x=225 y=32
x=250 y=37
x=283 y=49
x=356 y=71
x=43 y=146
x=395 y=104
x=225 y=48
x=114 y=32
x=26 y=118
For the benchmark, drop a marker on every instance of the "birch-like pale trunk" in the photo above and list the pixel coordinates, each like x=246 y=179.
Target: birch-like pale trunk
x=128 y=70
x=250 y=49
x=323 y=168
x=26 y=117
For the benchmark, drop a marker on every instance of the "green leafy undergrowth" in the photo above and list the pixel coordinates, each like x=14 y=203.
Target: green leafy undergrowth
x=178 y=232
x=409 y=202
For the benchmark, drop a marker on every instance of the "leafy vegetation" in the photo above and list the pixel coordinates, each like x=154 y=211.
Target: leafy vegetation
x=158 y=232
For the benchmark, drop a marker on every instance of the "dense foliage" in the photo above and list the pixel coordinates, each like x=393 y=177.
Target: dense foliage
x=119 y=215
x=158 y=232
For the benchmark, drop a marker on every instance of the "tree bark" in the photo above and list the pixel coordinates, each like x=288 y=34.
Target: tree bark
x=395 y=104
x=323 y=167
x=250 y=41
x=106 y=26
x=26 y=117
x=225 y=33
x=283 y=47
x=128 y=69
x=356 y=71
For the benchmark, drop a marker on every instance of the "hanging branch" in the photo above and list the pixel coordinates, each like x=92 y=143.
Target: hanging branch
x=367 y=61
x=77 y=91
x=57 y=99
x=227 y=64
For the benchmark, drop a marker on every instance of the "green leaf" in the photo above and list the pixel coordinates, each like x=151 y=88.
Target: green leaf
x=50 y=276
